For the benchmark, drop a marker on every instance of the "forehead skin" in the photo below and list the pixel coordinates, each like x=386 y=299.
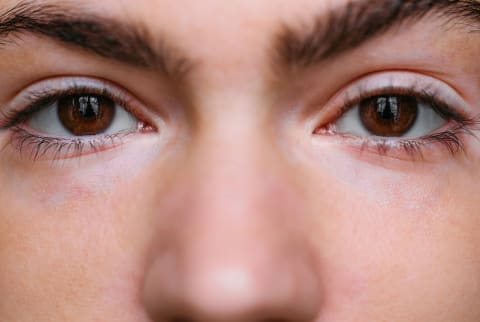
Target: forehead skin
x=232 y=211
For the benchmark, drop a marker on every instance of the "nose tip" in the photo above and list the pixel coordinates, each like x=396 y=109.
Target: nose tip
x=223 y=290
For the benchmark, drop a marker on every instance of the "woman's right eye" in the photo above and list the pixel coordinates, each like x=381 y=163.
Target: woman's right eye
x=81 y=115
x=65 y=118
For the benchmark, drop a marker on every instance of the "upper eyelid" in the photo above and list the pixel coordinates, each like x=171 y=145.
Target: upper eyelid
x=394 y=80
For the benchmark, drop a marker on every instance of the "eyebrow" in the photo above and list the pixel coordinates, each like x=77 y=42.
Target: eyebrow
x=124 y=42
x=346 y=28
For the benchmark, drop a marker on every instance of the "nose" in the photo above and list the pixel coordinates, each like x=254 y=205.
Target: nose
x=238 y=250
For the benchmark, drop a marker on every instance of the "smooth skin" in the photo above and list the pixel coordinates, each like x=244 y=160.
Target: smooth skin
x=233 y=211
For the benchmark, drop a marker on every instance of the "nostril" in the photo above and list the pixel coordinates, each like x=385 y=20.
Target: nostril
x=186 y=319
x=180 y=319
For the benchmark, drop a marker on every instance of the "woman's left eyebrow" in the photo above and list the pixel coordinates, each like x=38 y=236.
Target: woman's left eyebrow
x=352 y=24
x=123 y=42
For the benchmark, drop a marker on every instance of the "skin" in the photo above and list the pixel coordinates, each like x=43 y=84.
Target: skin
x=233 y=210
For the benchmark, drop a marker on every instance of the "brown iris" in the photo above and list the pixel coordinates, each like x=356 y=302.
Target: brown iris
x=390 y=115
x=86 y=114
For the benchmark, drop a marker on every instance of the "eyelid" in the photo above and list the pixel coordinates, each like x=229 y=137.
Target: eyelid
x=383 y=83
x=38 y=95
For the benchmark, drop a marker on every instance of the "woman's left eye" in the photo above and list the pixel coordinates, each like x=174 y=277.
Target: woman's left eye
x=82 y=115
x=390 y=116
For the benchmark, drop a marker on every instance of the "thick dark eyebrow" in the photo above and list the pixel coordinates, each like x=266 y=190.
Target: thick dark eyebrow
x=357 y=22
x=124 y=42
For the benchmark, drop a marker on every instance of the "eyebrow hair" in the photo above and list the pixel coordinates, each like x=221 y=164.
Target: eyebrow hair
x=124 y=42
x=357 y=22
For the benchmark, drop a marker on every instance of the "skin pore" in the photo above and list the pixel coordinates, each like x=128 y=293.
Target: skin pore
x=237 y=195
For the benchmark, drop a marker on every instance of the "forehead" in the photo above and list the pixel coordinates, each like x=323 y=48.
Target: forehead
x=212 y=26
x=236 y=13
x=232 y=40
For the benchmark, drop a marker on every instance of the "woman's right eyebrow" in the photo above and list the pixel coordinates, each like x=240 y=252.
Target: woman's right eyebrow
x=124 y=42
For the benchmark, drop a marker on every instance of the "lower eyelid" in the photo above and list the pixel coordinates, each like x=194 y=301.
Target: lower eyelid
x=37 y=147
x=439 y=146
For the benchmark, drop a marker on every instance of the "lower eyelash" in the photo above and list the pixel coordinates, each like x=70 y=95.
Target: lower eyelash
x=38 y=146
x=452 y=140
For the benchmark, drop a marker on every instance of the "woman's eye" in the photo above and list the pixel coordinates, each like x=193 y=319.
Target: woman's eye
x=82 y=115
x=394 y=116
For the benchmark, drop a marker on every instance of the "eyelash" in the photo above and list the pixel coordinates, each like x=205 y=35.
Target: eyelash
x=62 y=148
x=452 y=139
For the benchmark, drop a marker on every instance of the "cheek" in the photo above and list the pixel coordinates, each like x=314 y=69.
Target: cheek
x=398 y=241
x=76 y=233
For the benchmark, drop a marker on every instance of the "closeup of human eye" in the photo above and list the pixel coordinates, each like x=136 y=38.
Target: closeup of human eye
x=70 y=119
x=402 y=118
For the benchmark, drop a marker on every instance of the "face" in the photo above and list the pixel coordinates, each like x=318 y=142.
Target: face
x=239 y=161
